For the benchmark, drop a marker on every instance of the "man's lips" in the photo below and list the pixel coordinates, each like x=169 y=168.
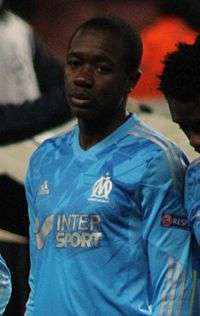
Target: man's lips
x=80 y=99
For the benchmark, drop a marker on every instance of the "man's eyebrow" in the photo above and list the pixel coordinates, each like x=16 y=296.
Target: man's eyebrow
x=72 y=54
x=96 y=57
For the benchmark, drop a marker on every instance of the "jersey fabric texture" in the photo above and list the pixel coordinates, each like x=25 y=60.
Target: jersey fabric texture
x=5 y=285
x=192 y=196
x=106 y=232
x=192 y=206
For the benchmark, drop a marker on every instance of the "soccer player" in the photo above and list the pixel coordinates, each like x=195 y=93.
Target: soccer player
x=181 y=86
x=5 y=285
x=108 y=233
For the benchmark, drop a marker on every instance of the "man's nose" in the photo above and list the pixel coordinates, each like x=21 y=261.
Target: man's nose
x=195 y=141
x=85 y=76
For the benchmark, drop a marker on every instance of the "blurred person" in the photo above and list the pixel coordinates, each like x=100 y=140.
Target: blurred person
x=107 y=225
x=180 y=85
x=5 y=285
x=31 y=84
x=176 y=21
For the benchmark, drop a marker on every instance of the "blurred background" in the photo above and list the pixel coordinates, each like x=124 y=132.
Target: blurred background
x=162 y=24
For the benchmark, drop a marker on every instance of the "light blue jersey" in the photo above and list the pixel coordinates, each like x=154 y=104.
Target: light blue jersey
x=5 y=285
x=192 y=205
x=108 y=233
x=192 y=196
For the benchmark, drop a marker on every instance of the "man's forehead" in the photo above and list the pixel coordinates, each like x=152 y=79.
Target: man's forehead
x=98 y=45
x=96 y=32
x=100 y=39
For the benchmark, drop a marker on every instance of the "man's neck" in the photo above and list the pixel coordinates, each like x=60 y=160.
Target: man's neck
x=92 y=132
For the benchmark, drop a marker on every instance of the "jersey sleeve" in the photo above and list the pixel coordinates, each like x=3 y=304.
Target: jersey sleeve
x=192 y=197
x=30 y=199
x=166 y=236
x=5 y=285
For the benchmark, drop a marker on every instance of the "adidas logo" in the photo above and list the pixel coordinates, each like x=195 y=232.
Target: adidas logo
x=44 y=189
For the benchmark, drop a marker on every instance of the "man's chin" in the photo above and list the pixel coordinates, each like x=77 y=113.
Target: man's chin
x=82 y=113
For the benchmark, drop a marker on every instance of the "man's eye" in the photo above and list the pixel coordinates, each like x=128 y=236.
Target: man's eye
x=104 y=69
x=73 y=62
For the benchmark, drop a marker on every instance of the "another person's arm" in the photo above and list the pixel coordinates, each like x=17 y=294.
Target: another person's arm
x=5 y=285
x=192 y=197
x=51 y=109
x=166 y=236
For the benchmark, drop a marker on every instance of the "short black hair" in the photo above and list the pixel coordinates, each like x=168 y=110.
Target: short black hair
x=122 y=30
x=180 y=78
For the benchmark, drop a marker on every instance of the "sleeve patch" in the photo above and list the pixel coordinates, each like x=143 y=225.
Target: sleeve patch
x=170 y=220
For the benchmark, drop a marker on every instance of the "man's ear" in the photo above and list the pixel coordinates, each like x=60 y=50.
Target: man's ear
x=133 y=80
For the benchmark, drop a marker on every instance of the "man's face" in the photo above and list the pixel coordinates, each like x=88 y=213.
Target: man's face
x=187 y=116
x=95 y=78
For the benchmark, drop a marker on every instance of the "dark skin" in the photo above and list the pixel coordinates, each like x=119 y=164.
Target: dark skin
x=97 y=84
x=187 y=115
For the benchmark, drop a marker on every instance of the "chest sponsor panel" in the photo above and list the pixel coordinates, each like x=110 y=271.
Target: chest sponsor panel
x=70 y=230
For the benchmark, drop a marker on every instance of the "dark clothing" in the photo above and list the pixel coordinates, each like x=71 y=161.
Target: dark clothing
x=51 y=109
x=32 y=117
